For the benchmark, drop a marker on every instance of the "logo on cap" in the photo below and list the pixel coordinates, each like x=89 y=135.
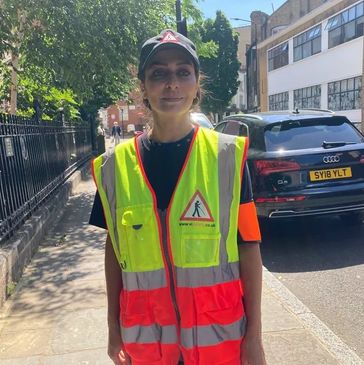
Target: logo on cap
x=169 y=37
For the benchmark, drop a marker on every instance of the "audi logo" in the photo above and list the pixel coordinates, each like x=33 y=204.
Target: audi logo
x=331 y=159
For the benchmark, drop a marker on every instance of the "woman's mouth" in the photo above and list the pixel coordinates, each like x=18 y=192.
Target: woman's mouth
x=172 y=99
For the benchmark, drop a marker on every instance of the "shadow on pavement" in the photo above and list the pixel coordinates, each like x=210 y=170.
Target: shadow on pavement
x=68 y=270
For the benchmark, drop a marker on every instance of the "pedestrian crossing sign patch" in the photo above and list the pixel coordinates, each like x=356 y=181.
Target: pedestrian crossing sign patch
x=197 y=210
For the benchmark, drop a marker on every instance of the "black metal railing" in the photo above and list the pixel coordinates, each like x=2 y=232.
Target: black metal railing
x=35 y=158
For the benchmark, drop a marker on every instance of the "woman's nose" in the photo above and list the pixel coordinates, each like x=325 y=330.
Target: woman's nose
x=172 y=81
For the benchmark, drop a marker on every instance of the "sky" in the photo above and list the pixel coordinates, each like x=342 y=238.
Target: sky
x=237 y=8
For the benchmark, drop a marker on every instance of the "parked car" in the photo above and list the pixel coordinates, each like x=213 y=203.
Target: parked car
x=302 y=163
x=201 y=120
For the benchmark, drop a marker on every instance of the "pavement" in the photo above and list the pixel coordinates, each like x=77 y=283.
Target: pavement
x=57 y=312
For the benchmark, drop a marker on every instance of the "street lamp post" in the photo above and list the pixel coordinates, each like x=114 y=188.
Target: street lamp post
x=181 y=23
x=240 y=19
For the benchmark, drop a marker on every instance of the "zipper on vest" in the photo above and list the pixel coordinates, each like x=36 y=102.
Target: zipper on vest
x=168 y=255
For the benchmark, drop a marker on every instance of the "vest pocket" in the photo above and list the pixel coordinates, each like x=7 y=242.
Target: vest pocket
x=218 y=297
x=200 y=250
x=140 y=334
x=139 y=231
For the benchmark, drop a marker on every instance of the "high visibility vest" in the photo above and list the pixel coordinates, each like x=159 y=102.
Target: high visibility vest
x=181 y=293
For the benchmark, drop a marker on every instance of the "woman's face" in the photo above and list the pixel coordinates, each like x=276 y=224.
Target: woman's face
x=170 y=83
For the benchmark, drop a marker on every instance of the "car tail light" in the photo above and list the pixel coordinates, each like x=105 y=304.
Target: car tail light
x=361 y=160
x=277 y=199
x=266 y=167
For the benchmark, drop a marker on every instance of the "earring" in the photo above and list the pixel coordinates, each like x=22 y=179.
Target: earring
x=147 y=104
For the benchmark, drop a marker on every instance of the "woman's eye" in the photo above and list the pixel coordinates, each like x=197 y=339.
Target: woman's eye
x=184 y=73
x=158 y=73
x=164 y=74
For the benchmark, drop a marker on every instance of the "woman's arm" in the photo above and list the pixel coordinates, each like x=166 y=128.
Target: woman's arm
x=252 y=352
x=114 y=285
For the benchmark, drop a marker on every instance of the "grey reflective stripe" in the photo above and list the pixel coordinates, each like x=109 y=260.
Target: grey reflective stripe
x=146 y=280
x=206 y=276
x=226 y=164
x=212 y=334
x=149 y=334
x=108 y=184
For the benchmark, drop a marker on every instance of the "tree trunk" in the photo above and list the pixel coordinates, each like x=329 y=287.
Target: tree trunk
x=18 y=36
x=14 y=83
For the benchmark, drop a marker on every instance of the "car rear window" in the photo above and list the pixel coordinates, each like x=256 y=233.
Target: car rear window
x=309 y=133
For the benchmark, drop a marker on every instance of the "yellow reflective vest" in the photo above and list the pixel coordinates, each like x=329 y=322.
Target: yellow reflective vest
x=180 y=267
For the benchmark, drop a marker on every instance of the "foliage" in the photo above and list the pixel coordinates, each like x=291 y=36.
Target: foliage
x=10 y=288
x=221 y=71
x=34 y=88
x=81 y=50
x=4 y=81
x=207 y=48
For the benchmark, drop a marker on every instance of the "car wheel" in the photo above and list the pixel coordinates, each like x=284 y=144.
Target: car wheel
x=353 y=218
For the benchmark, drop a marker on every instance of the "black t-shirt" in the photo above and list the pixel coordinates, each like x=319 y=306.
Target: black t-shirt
x=162 y=163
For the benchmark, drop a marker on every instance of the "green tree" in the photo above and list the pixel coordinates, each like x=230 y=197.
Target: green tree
x=84 y=45
x=34 y=88
x=221 y=71
x=84 y=48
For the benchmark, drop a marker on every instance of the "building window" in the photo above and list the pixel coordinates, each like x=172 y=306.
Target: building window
x=308 y=97
x=345 y=94
x=278 y=57
x=278 y=101
x=307 y=43
x=346 y=25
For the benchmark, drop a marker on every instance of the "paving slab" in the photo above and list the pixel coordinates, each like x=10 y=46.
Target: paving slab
x=23 y=323
x=298 y=347
x=80 y=330
x=34 y=360
x=87 y=357
x=25 y=343
x=275 y=317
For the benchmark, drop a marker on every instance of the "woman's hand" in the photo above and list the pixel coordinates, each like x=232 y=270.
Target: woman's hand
x=252 y=352
x=116 y=349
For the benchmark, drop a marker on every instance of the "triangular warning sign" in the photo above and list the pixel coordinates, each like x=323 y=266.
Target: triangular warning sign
x=197 y=210
x=169 y=37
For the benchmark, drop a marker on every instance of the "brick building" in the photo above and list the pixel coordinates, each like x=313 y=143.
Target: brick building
x=131 y=115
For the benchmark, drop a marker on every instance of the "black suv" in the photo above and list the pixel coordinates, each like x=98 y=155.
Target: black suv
x=302 y=163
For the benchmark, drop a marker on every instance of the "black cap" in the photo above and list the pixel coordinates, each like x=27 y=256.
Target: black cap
x=165 y=40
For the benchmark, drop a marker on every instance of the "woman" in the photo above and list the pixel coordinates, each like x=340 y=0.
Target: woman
x=176 y=201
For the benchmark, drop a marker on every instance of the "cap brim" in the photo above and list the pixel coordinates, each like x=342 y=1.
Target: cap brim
x=164 y=46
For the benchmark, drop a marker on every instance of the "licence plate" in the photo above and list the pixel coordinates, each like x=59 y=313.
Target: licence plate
x=330 y=174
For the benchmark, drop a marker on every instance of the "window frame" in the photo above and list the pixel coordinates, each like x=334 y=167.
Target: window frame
x=342 y=96
x=306 y=95
x=278 y=56
x=306 y=40
x=339 y=25
x=279 y=101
